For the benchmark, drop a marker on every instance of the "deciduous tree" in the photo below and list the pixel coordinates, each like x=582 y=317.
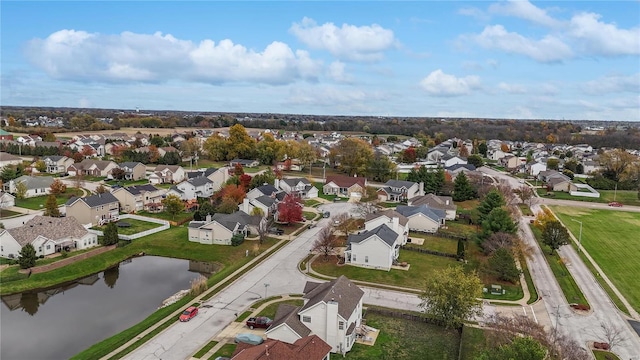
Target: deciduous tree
x=173 y=205
x=521 y=348
x=240 y=144
x=290 y=209
x=381 y=168
x=101 y=189
x=118 y=173
x=554 y=235
x=451 y=296
x=353 y=156
x=503 y=265
x=326 y=243
x=51 y=206
x=475 y=160
x=41 y=166
x=57 y=187
x=21 y=190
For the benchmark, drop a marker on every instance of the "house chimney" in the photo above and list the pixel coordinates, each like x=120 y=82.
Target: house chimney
x=447 y=202
x=208 y=217
x=396 y=222
x=276 y=183
x=421 y=189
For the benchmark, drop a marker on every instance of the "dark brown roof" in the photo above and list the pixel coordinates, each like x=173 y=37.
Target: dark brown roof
x=346 y=181
x=308 y=348
x=288 y=314
x=340 y=290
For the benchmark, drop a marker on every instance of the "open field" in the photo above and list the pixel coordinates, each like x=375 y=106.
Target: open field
x=137 y=226
x=435 y=243
x=421 y=268
x=37 y=202
x=626 y=197
x=612 y=239
x=401 y=339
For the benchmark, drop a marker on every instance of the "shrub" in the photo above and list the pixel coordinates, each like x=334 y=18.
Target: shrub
x=237 y=239
x=64 y=254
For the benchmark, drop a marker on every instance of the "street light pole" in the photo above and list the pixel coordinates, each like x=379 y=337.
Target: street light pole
x=579 y=236
x=265 y=290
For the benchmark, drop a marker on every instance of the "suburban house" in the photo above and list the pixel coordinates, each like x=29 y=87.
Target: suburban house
x=510 y=161
x=341 y=185
x=94 y=210
x=444 y=203
x=561 y=182
x=167 y=174
x=331 y=310
x=57 y=164
x=244 y=162
x=9 y=159
x=422 y=218
x=393 y=219
x=290 y=165
x=309 y=347
x=193 y=188
x=48 y=235
x=133 y=170
x=262 y=190
x=138 y=197
x=89 y=167
x=377 y=248
x=220 y=228
x=450 y=160
x=218 y=176
x=7 y=200
x=298 y=186
x=35 y=185
x=266 y=204
x=534 y=168
x=454 y=170
x=400 y=190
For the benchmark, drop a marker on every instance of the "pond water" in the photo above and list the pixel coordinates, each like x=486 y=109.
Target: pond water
x=60 y=322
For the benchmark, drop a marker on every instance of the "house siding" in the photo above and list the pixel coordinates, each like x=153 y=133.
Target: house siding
x=419 y=222
x=372 y=253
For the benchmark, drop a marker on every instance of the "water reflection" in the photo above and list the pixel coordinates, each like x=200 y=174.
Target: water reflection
x=89 y=308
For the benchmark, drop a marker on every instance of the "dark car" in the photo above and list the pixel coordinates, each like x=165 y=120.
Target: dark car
x=276 y=231
x=189 y=314
x=262 y=322
x=326 y=214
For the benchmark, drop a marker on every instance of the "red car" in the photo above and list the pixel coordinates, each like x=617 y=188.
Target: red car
x=259 y=322
x=615 y=204
x=189 y=314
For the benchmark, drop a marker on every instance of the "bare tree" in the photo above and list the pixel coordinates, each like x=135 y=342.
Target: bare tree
x=497 y=241
x=507 y=192
x=326 y=243
x=525 y=193
x=612 y=334
x=263 y=227
x=343 y=222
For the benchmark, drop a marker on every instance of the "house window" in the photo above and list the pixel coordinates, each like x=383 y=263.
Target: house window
x=40 y=249
x=353 y=257
x=340 y=325
x=48 y=247
x=366 y=259
x=306 y=319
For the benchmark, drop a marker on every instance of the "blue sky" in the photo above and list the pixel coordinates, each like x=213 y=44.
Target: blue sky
x=504 y=59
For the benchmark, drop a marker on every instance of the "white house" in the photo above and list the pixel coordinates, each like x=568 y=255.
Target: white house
x=167 y=174
x=220 y=228
x=57 y=164
x=262 y=190
x=36 y=185
x=266 y=204
x=47 y=235
x=218 y=176
x=422 y=218
x=450 y=160
x=299 y=186
x=6 y=200
x=534 y=168
x=393 y=219
x=377 y=248
x=331 y=310
x=400 y=190
x=193 y=188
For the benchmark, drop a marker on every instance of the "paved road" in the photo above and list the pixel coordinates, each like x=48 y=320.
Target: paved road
x=280 y=273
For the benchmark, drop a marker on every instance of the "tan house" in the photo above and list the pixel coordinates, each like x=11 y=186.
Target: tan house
x=220 y=228
x=167 y=174
x=94 y=210
x=133 y=170
x=344 y=185
x=139 y=197
x=91 y=167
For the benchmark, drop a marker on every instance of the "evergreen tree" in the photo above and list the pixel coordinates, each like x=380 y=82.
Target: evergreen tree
x=110 y=234
x=491 y=201
x=503 y=265
x=460 y=251
x=462 y=189
x=27 y=257
x=498 y=220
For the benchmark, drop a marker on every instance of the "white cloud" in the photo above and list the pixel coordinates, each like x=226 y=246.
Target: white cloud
x=512 y=88
x=349 y=42
x=597 y=37
x=524 y=10
x=613 y=84
x=336 y=71
x=474 y=12
x=339 y=98
x=547 y=49
x=437 y=83
x=81 y=56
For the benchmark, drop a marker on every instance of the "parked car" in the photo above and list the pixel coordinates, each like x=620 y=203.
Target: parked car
x=276 y=231
x=248 y=339
x=259 y=322
x=189 y=314
x=326 y=214
x=615 y=204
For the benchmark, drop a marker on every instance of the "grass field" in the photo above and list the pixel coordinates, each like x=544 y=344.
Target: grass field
x=433 y=242
x=8 y=213
x=270 y=310
x=627 y=197
x=166 y=216
x=407 y=340
x=37 y=202
x=137 y=226
x=604 y=355
x=421 y=268
x=472 y=342
x=611 y=238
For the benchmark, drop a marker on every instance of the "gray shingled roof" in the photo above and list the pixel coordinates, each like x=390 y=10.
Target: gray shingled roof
x=50 y=227
x=54 y=158
x=434 y=201
x=35 y=182
x=399 y=183
x=288 y=314
x=267 y=201
x=383 y=232
x=137 y=189
x=341 y=290
x=200 y=181
x=267 y=189
x=205 y=172
x=95 y=200
x=390 y=213
x=129 y=164
x=434 y=214
x=295 y=181
x=230 y=220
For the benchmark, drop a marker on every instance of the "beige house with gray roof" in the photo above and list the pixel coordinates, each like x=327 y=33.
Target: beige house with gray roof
x=47 y=235
x=94 y=209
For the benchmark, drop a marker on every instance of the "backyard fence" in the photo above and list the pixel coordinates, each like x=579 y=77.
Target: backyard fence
x=402 y=315
x=164 y=225
x=432 y=252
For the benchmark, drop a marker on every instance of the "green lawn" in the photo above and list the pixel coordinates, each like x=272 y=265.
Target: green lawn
x=526 y=210
x=270 y=310
x=604 y=355
x=311 y=203
x=320 y=194
x=460 y=228
x=166 y=216
x=472 y=342
x=137 y=226
x=401 y=339
x=627 y=197
x=570 y=289
x=422 y=266
x=512 y=292
x=205 y=349
x=225 y=351
x=611 y=238
x=8 y=213
x=435 y=243
x=37 y=203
